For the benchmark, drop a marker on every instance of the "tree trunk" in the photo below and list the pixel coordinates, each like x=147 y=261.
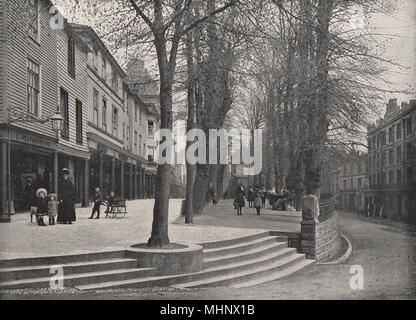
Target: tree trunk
x=200 y=187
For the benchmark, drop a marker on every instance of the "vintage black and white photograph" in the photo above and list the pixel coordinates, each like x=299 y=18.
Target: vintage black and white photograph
x=214 y=150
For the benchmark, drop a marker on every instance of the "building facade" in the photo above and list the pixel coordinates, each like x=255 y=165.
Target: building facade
x=46 y=69
x=392 y=160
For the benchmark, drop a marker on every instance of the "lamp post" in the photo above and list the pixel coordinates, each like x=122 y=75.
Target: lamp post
x=17 y=116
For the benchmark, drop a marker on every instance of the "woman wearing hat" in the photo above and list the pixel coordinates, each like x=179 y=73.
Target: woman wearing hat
x=66 y=212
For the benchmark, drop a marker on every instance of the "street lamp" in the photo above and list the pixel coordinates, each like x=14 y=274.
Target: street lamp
x=19 y=116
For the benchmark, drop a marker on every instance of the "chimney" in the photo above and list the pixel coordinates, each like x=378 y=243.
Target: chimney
x=392 y=102
x=412 y=102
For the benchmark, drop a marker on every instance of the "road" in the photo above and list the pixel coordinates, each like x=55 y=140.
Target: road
x=386 y=255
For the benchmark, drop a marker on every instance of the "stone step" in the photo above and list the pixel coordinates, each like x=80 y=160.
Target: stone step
x=246 y=275
x=81 y=278
x=229 y=269
x=40 y=271
x=57 y=260
x=239 y=247
x=275 y=275
x=242 y=256
x=230 y=242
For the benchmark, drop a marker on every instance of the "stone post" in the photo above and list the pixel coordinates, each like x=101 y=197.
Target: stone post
x=86 y=198
x=310 y=214
x=4 y=217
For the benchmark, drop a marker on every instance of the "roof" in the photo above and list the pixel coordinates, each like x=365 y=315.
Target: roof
x=83 y=29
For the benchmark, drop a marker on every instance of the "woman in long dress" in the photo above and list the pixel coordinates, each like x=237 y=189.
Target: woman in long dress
x=66 y=212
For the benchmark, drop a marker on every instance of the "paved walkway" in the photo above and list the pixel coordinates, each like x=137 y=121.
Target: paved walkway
x=20 y=238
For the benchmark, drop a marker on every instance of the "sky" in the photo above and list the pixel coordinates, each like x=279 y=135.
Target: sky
x=399 y=26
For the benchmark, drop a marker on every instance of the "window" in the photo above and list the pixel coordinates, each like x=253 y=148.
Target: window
x=150 y=154
x=95 y=58
x=104 y=69
x=359 y=167
x=115 y=121
x=383 y=159
x=391 y=177
x=71 y=56
x=135 y=141
x=78 y=117
x=399 y=154
x=359 y=183
x=408 y=151
x=409 y=174
x=95 y=105
x=399 y=176
x=345 y=184
x=140 y=114
x=352 y=184
x=104 y=115
x=144 y=150
x=114 y=80
x=399 y=131
x=391 y=161
x=33 y=88
x=136 y=113
x=409 y=126
x=140 y=143
x=391 y=136
x=150 y=129
x=33 y=17
x=65 y=113
x=124 y=132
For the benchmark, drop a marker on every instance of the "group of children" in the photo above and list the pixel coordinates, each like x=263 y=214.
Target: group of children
x=98 y=201
x=45 y=205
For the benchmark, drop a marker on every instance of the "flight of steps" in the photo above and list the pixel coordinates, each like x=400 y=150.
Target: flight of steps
x=239 y=262
x=78 y=269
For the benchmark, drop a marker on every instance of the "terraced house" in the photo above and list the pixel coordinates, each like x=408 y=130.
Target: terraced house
x=116 y=116
x=392 y=160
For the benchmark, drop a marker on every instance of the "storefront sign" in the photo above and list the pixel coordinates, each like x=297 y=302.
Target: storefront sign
x=32 y=140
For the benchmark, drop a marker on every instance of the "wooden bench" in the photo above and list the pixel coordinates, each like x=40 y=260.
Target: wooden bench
x=117 y=210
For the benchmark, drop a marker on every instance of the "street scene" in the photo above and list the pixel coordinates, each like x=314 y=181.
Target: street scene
x=208 y=150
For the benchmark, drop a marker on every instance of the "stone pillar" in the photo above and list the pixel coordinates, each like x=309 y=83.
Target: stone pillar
x=122 y=179
x=55 y=173
x=310 y=214
x=113 y=174
x=3 y=182
x=135 y=196
x=86 y=200
x=101 y=171
x=130 y=181
x=140 y=186
x=144 y=184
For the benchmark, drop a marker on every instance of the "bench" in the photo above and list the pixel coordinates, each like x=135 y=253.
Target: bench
x=117 y=210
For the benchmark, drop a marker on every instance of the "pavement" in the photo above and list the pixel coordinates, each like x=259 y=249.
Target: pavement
x=21 y=238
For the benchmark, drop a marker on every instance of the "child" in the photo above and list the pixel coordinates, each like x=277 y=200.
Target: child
x=52 y=208
x=110 y=201
x=42 y=205
x=97 y=202
x=257 y=202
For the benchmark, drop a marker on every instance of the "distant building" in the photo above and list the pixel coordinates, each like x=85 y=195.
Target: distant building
x=392 y=160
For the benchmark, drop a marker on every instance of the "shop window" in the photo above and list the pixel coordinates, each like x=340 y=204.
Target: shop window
x=65 y=113
x=78 y=115
x=33 y=19
x=33 y=87
x=71 y=56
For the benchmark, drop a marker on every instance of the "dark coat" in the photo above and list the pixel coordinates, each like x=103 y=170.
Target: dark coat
x=239 y=197
x=98 y=197
x=66 y=210
x=42 y=206
x=250 y=194
x=30 y=195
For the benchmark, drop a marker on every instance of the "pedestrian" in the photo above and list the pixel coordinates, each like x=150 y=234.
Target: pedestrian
x=52 y=208
x=41 y=205
x=263 y=198
x=98 y=198
x=66 y=211
x=250 y=196
x=239 y=199
x=257 y=202
x=30 y=193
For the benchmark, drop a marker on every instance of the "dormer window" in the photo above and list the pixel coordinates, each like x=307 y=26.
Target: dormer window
x=71 y=56
x=33 y=19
